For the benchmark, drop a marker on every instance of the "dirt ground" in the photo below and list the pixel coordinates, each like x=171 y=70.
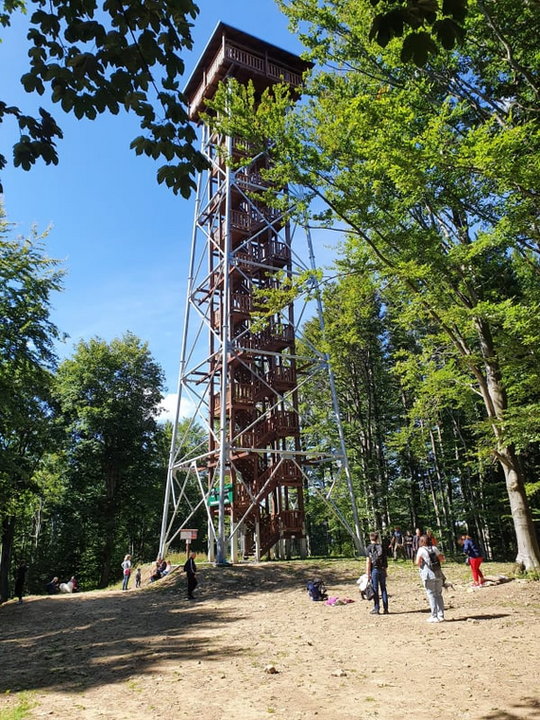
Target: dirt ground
x=108 y=654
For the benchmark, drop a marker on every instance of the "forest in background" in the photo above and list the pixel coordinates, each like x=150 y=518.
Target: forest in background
x=431 y=171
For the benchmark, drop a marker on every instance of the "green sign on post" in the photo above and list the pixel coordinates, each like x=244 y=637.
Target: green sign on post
x=213 y=498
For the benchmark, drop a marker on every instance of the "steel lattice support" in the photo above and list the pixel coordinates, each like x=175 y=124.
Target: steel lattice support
x=245 y=386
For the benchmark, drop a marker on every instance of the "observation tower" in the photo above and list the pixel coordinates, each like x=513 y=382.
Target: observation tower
x=242 y=378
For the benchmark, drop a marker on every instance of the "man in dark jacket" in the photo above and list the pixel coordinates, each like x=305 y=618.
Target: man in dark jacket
x=190 y=569
x=20 y=577
x=376 y=566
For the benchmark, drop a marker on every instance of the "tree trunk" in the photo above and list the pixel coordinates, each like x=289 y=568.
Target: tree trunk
x=528 y=555
x=496 y=404
x=8 y=533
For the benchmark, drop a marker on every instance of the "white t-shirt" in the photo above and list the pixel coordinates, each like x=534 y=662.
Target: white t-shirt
x=424 y=554
x=425 y=568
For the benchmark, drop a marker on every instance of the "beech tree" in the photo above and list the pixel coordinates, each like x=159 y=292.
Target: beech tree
x=108 y=57
x=434 y=172
x=109 y=394
x=28 y=278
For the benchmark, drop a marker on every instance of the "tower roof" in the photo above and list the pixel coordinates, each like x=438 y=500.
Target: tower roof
x=233 y=52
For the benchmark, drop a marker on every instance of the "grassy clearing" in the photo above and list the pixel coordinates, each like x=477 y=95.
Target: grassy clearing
x=21 y=710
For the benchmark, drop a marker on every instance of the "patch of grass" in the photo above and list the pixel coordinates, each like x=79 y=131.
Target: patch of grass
x=531 y=575
x=20 y=711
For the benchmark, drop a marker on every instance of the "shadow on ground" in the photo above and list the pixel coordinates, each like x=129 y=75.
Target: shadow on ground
x=528 y=708
x=75 y=642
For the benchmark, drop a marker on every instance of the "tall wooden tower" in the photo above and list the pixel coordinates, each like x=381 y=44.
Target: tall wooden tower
x=244 y=385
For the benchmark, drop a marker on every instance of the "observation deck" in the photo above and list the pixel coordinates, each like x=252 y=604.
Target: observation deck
x=233 y=53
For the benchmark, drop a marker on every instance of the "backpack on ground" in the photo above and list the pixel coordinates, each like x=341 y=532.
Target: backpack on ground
x=316 y=589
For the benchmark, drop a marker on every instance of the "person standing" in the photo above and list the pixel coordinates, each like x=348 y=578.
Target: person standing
x=428 y=559
x=408 y=541
x=416 y=543
x=475 y=559
x=126 y=567
x=20 y=577
x=138 y=578
x=397 y=543
x=190 y=568
x=376 y=569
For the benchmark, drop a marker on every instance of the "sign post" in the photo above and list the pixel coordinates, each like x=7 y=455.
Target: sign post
x=188 y=536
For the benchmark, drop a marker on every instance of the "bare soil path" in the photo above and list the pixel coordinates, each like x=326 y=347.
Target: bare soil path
x=148 y=652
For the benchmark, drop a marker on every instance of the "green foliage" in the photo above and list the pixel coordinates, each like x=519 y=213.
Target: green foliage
x=109 y=59
x=434 y=173
x=109 y=395
x=425 y=25
x=27 y=280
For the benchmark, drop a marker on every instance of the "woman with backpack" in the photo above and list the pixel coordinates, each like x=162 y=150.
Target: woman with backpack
x=429 y=561
x=376 y=566
x=474 y=559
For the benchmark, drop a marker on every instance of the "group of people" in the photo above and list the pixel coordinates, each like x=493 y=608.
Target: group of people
x=405 y=544
x=54 y=586
x=429 y=559
x=160 y=569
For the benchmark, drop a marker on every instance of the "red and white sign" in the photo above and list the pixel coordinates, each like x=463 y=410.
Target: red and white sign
x=188 y=534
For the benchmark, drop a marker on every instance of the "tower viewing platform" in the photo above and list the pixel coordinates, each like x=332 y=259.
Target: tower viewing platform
x=233 y=53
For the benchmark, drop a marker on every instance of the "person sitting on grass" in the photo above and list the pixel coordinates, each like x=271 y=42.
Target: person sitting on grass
x=53 y=587
x=155 y=573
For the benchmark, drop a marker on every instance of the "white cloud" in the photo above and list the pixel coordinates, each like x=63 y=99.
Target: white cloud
x=168 y=408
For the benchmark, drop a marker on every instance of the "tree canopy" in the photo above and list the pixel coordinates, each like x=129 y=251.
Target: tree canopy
x=94 y=58
x=109 y=394
x=434 y=173
x=28 y=278
x=426 y=26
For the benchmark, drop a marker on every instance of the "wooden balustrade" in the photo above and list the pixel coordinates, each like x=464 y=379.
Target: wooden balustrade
x=275 y=337
x=291 y=521
x=248 y=179
x=281 y=377
x=243 y=57
x=284 y=423
x=241 y=308
x=276 y=254
x=280 y=73
x=238 y=395
x=255 y=63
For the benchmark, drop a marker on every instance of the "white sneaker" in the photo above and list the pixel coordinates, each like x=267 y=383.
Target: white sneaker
x=440 y=619
x=433 y=619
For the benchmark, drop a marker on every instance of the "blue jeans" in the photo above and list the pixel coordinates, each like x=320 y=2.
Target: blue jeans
x=125 y=582
x=378 y=578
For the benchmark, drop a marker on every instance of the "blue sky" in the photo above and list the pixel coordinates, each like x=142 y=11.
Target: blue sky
x=123 y=239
